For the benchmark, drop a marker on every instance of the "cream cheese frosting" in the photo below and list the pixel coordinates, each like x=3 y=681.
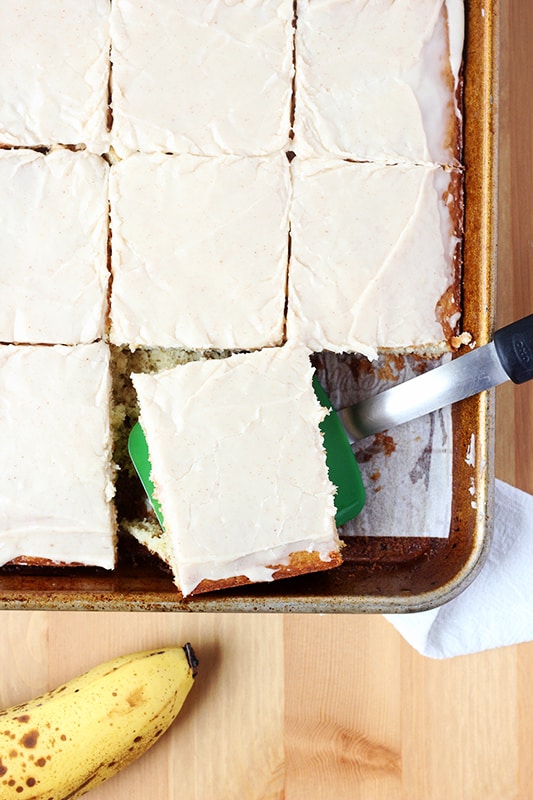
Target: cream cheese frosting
x=377 y=80
x=199 y=250
x=53 y=247
x=55 y=469
x=196 y=76
x=54 y=72
x=372 y=255
x=239 y=464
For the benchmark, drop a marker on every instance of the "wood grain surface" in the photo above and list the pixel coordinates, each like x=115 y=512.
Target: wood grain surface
x=318 y=707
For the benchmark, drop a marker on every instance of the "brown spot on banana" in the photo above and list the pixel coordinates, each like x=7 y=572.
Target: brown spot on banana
x=136 y=698
x=29 y=739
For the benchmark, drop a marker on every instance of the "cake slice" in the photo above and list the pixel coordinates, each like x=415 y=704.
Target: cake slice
x=54 y=72
x=203 y=78
x=239 y=468
x=56 y=476
x=378 y=80
x=199 y=251
x=373 y=259
x=53 y=247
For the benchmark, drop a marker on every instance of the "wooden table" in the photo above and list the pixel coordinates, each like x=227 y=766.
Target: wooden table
x=319 y=707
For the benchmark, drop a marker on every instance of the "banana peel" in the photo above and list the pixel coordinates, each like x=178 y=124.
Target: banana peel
x=64 y=743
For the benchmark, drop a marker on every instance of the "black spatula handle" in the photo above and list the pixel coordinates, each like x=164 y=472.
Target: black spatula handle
x=514 y=345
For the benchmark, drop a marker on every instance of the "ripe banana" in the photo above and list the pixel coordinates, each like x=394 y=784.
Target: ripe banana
x=64 y=743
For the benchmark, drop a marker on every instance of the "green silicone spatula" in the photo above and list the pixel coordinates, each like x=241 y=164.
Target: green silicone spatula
x=342 y=466
x=343 y=469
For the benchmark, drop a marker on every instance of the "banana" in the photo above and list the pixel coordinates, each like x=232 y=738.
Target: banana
x=62 y=744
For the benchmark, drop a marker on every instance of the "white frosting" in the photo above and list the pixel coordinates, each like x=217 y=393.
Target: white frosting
x=55 y=469
x=239 y=465
x=204 y=77
x=455 y=10
x=372 y=250
x=199 y=250
x=376 y=80
x=54 y=72
x=53 y=245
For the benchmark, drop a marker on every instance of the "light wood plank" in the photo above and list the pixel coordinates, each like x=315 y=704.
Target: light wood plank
x=519 y=60
x=514 y=404
x=459 y=726
x=228 y=740
x=23 y=656
x=343 y=709
x=524 y=658
x=367 y=717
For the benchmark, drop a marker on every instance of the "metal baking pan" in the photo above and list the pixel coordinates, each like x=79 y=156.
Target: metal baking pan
x=382 y=575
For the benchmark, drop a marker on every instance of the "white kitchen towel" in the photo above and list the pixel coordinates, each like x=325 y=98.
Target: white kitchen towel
x=497 y=608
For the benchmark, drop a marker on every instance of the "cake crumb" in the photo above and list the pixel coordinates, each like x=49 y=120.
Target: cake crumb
x=464 y=338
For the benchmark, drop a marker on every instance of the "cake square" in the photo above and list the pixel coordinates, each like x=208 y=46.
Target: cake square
x=53 y=247
x=239 y=468
x=55 y=471
x=379 y=80
x=373 y=256
x=54 y=72
x=193 y=76
x=199 y=250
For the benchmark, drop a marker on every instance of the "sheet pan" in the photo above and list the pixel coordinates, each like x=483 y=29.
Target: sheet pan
x=392 y=574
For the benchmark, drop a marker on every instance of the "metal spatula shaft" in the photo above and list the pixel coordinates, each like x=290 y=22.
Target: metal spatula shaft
x=508 y=357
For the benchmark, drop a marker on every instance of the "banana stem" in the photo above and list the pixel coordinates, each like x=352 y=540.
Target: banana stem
x=191 y=658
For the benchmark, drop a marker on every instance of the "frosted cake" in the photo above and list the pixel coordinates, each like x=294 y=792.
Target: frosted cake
x=239 y=468
x=53 y=247
x=56 y=475
x=378 y=80
x=199 y=251
x=202 y=77
x=54 y=73
x=373 y=256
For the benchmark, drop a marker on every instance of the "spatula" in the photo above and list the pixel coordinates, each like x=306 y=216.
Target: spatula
x=509 y=356
x=342 y=466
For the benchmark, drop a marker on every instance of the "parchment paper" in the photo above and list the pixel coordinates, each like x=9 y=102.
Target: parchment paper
x=406 y=471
